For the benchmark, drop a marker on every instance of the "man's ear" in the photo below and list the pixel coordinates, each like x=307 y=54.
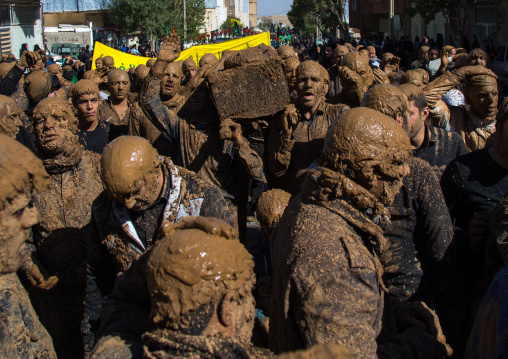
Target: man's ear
x=400 y=119
x=226 y=307
x=425 y=113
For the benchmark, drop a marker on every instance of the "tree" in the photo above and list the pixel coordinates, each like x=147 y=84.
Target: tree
x=328 y=15
x=266 y=23
x=227 y=25
x=158 y=16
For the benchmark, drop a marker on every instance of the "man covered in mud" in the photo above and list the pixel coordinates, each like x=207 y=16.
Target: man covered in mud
x=335 y=86
x=189 y=69
x=94 y=133
x=190 y=296
x=116 y=109
x=55 y=262
x=420 y=230
x=21 y=334
x=152 y=128
x=326 y=250
x=356 y=77
x=10 y=120
x=198 y=140
x=143 y=190
x=296 y=137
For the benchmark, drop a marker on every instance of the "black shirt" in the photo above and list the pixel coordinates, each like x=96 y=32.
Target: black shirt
x=440 y=147
x=97 y=139
x=473 y=183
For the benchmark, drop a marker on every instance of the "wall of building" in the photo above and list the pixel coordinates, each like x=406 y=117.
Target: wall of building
x=74 y=18
x=253 y=13
x=29 y=34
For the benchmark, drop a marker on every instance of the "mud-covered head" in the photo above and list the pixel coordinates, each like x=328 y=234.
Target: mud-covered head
x=99 y=62
x=412 y=77
x=119 y=84
x=37 y=86
x=208 y=60
x=270 y=207
x=170 y=83
x=389 y=100
x=54 y=69
x=460 y=60
x=425 y=76
x=286 y=52
x=141 y=72
x=370 y=149
x=372 y=52
x=481 y=94
x=109 y=62
x=339 y=53
x=200 y=279
x=312 y=81
x=423 y=53
x=477 y=57
x=20 y=173
x=5 y=67
x=150 y=62
x=290 y=66
x=10 y=120
x=189 y=68
x=130 y=170
x=390 y=64
x=359 y=64
x=55 y=127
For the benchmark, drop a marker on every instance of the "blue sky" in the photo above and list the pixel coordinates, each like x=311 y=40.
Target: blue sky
x=273 y=7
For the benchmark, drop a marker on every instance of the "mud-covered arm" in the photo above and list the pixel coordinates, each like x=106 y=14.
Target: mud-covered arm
x=280 y=142
x=10 y=82
x=124 y=315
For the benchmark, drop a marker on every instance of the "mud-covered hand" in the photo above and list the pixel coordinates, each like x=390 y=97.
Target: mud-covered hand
x=444 y=58
x=170 y=48
x=477 y=230
x=380 y=77
x=350 y=80
x=230 y=130
x=38 y=276
x=466 y=71
x=289 y=120
x=210 y=225
x=419 y=315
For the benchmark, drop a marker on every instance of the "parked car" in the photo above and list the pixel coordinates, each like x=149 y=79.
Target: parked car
x=66 y=49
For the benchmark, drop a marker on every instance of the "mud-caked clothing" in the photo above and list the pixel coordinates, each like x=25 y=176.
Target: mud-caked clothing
x=327 y=284
x=60 y=244
x=419 y=234
x=439 y=148
x=287 y=160
x=107 y=113
x=22 y=336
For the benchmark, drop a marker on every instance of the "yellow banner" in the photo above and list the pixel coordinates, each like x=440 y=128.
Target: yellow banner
x=124 y=61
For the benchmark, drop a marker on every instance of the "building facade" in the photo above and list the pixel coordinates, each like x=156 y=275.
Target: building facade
x=20 y=23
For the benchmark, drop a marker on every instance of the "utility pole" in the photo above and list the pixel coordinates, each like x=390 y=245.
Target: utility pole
x=390 y=19
x=184 y=21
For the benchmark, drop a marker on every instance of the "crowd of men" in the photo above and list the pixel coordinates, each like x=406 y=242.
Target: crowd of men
x=126 y=205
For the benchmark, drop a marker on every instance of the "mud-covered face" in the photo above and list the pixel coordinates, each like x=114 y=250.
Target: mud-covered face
x=483 y=99
x=9 y=119
x=360 y=64
x=53 y=133
x=16 y=218
x=189 y=71
x=385 y=187
x=171 y=81
x=143 y=195
x=119 y=85
x=478 y=59
x=391 y=70
x=87 y=106
x=310 y=86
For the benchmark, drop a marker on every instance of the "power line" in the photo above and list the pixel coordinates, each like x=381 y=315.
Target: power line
x=277 y=13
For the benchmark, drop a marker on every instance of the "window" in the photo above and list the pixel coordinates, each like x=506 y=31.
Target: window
x=25 y=14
